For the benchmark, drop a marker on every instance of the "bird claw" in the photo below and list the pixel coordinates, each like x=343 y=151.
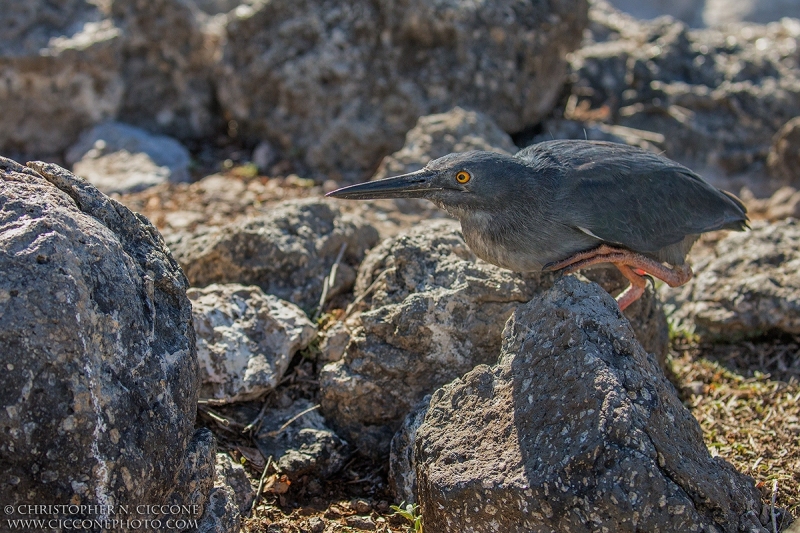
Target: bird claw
x=549 y=267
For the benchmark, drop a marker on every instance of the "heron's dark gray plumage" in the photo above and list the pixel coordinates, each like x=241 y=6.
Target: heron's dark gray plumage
x=556 y=199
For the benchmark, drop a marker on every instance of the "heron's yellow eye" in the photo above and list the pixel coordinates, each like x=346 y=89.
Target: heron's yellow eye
x=463 y=177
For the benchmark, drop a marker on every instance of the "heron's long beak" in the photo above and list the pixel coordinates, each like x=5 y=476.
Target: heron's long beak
x=415 y=185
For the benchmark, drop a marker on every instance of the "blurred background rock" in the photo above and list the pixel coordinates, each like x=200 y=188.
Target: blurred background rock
x=704 y=13
x=327 y=91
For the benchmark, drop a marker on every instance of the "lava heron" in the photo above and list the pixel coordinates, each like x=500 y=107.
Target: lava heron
x=566 y=205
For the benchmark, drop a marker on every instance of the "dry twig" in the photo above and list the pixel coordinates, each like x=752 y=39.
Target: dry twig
x=260 y=485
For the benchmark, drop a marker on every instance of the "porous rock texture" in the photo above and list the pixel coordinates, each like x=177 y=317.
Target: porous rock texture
x=716 y=95
x=196 y=479
x=227 y=494
x=575 y=429
x=340 y=84
x=245 y=340
x=749 y=286
x=287 y=253
x=97 y=348
x=432 y=311
x=220 y=513
x=116 y=157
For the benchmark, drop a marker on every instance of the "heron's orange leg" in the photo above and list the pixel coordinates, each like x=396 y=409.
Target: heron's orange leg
x=625 y=261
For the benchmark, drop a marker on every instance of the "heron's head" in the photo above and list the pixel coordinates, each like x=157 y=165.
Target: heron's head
x=458 y=183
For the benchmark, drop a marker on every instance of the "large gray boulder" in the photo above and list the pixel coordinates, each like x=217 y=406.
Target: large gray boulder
x=431 y=311
x=748 y=286
x=97 y=348
x=716 y=96
x=287 y=253
x=339 y=84
x=576 y=429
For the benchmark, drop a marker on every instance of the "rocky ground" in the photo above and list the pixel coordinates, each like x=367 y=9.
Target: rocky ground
x=289 y=362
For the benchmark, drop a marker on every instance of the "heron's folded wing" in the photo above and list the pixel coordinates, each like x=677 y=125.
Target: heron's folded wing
x=646 y=209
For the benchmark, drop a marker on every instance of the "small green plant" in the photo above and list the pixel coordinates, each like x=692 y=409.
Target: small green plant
x=410 y=512
x=681 y=332
x=311 y=351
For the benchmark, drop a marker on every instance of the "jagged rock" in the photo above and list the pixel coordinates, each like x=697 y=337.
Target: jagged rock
x=748 y=287
x=783 y=161
x=97 y=345
x=575 y=429
x=340 y=84
x=287 y=253
x=432 y=312
x=245 y=340
x=306 y=446
x=717 y=96
x=116 y=157
x=59 y=72
x=226 y=500
x=236 y=478
x=646 y=315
